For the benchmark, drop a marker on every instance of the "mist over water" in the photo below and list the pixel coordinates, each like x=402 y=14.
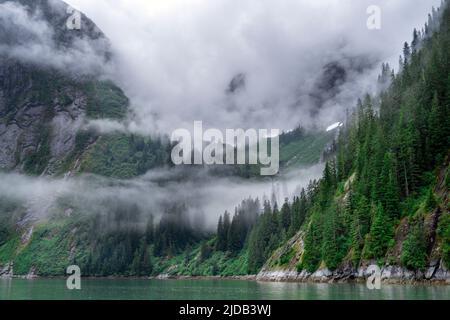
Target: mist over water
x=204 y=197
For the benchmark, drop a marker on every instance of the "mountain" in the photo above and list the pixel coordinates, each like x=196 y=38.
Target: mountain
x=43 y=103
x=383 y=197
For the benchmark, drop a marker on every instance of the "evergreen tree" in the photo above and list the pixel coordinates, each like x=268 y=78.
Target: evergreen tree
x=444 y=235
x=415 y=42
x=334 y=242
x=150 y=230
x=221 y=243
x=312 y=250
x=414 y=251
x=436 y=128
x=141 y=265
x=389 y=188
x=299 y=210
x=406 y=53
x=381 y=234
x=286 y=216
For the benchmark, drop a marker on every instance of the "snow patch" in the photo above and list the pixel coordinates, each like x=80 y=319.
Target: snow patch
x=335 y=126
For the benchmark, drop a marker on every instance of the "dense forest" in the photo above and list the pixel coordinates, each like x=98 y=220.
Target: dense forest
x=388 y=156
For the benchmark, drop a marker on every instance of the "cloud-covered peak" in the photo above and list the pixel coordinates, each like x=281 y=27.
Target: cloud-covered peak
x=39 y=32
x=304 y=61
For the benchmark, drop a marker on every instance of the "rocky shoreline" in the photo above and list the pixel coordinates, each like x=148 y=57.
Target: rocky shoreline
x=437 y=274
x=389 y=275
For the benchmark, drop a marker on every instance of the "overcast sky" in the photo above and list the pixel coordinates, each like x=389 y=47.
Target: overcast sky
x=176 y=58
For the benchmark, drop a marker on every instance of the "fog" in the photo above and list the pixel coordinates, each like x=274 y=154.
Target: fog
x=31 y=38
x=205 y=197
x=262 y=64
x=287 y=62
x=177 y=58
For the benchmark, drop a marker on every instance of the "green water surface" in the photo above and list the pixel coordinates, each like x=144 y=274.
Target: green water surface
x=126 y=289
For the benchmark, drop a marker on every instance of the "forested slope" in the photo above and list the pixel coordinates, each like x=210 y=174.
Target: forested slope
x=384 y=199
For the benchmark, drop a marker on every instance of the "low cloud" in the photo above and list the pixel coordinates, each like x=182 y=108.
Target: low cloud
x=28 y=36
x=176 y=59
x=205 y=197
x=300 y=61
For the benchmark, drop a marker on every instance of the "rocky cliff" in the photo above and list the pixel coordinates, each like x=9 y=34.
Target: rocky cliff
x=49 y=85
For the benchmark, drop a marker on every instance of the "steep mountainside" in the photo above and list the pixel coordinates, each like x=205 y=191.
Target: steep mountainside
x=42 y=105
x=383 y=197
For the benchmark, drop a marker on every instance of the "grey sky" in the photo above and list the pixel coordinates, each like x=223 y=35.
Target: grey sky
x=176 y=58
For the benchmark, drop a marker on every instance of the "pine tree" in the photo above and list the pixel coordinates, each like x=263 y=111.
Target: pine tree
x=234 y=236
x=221 y=244
x=141 y=264
x=406 y=53
x=299 y=211
x=286 y=216
x=150 y=230
x=415 y=42
x=444 y=235
x=334 y=242
x=414 y=251
x=389 y=188
x=381 y=234
x=436 y=129
x=313 y=249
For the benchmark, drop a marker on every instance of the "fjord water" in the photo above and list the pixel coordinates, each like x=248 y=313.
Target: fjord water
x=126 y=289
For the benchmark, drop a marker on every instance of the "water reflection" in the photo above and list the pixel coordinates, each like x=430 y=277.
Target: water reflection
x=124 y=289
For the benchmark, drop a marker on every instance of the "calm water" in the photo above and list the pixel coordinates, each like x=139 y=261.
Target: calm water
x=55 y=289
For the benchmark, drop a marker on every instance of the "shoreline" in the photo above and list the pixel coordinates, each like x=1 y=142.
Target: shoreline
x=253 y=278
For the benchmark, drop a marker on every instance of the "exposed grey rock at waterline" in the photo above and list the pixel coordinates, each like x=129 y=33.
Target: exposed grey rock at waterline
x=389 y=274
x=7 y=271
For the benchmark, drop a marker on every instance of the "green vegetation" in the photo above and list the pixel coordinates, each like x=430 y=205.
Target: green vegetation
x=52 y=243
x=273 y=227
x=105 y=101
x=190 y=264
x=381 y=234
x=414 y=253
x=387 y=158
x=304 y=149
x=287 y=257
x=125 y=156
x=37 y=161
x=444 y=234
x=8 y=249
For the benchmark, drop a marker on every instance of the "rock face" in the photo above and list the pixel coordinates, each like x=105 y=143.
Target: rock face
x=45 y=99
x=277 y=268
x=272 y=271
x=31 y=125
x=389 y=274
x=49 y=17
x=7 y=271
